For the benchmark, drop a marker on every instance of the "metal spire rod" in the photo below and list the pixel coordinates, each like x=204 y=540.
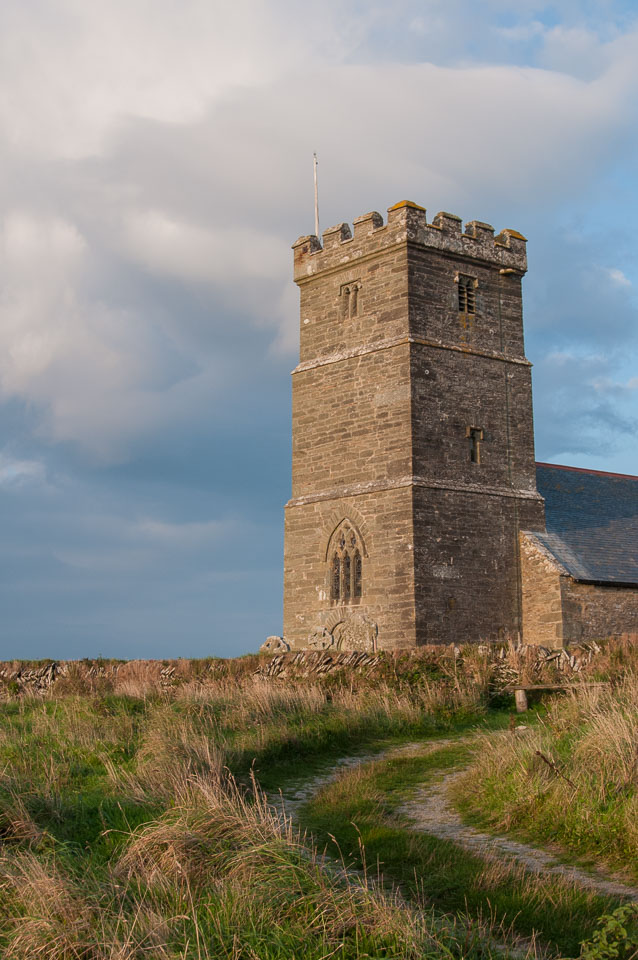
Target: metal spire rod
x=314 y=167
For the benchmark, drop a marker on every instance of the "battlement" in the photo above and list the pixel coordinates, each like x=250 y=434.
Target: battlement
x=407 y=223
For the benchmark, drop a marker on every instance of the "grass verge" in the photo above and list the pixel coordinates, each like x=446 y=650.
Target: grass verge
x=218 y=876
x=571 y=779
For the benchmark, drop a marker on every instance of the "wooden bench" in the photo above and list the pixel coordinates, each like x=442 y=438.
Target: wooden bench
x=520 y=691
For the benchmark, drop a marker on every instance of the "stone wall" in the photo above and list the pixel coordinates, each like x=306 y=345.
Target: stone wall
x=383 y=519
x=466 y=565
x=558 y=609
x=592 y=611
x=541 y=594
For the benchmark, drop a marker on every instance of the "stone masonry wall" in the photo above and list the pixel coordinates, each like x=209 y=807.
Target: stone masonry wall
x=541 y=594
x=453 y=390
x=594 y=611
x=495 y=327
x=558 y=609
x=467 y=565
x=384 y=521
x=351 y=423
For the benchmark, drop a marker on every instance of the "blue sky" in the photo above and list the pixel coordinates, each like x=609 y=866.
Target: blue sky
x=155 y=168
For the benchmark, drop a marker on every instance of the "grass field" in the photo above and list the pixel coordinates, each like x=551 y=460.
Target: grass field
x=133 y=824
x=357 y=815
x=124 y=835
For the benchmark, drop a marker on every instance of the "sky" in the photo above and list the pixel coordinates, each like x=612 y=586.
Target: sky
x=156 y=166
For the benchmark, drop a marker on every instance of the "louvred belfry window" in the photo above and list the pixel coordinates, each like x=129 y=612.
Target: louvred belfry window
x=346 y=564
x=467 y=294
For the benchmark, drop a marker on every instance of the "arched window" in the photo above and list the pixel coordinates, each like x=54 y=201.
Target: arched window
x=345 y=558
x=349 y=294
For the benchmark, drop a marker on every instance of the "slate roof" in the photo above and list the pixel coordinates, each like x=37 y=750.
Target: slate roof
x=592 y=522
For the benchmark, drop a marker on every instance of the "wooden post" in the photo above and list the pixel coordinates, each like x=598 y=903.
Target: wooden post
x=521 y=700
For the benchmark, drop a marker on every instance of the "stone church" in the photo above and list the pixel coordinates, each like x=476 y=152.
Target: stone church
x=418 y=513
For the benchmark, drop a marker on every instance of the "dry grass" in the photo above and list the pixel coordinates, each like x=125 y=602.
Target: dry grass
x=480 y=666
x=221 y=875
x=123 y=835
x=572 y=778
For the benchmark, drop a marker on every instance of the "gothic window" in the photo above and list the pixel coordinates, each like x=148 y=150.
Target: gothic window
x=345 y=554
x=475 y=436
x=466 y=294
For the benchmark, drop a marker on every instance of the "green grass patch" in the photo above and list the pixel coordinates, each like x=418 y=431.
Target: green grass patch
x=571 y=780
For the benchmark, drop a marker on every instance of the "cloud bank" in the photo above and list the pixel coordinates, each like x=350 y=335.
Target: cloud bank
x=155 y=170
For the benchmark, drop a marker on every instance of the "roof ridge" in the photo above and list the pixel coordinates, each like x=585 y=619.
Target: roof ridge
x=599 y=473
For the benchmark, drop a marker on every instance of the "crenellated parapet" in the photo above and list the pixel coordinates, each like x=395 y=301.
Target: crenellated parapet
x=407 y=223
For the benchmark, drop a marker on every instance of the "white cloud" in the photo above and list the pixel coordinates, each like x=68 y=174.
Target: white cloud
x=522 y=32
x=16 y=473
x=71 y=70
x=93 y=370
x=618 y=277
x=609 y=385
x=191 y=252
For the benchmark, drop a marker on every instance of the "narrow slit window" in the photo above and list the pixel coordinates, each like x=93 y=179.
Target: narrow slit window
x=475 y=436
x=354 y=300
x=467 y=294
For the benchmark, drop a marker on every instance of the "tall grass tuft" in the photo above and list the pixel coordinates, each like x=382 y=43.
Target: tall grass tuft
x=573 y=778
x=221 y=875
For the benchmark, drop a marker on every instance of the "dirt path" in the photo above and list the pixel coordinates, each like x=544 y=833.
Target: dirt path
x=299 y=791
x=430 y=810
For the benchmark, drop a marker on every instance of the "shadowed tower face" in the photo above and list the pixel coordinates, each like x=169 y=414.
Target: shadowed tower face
x=413 y=449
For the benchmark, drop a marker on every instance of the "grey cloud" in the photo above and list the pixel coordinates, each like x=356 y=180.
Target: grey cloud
x=148 y=319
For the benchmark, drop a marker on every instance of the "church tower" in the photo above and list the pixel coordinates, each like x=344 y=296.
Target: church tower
x=413 y=448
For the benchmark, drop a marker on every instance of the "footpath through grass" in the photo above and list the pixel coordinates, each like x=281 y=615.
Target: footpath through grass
x=123 y=835
x=355 y=816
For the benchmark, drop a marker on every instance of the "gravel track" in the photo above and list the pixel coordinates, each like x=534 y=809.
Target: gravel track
x=430 y=810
